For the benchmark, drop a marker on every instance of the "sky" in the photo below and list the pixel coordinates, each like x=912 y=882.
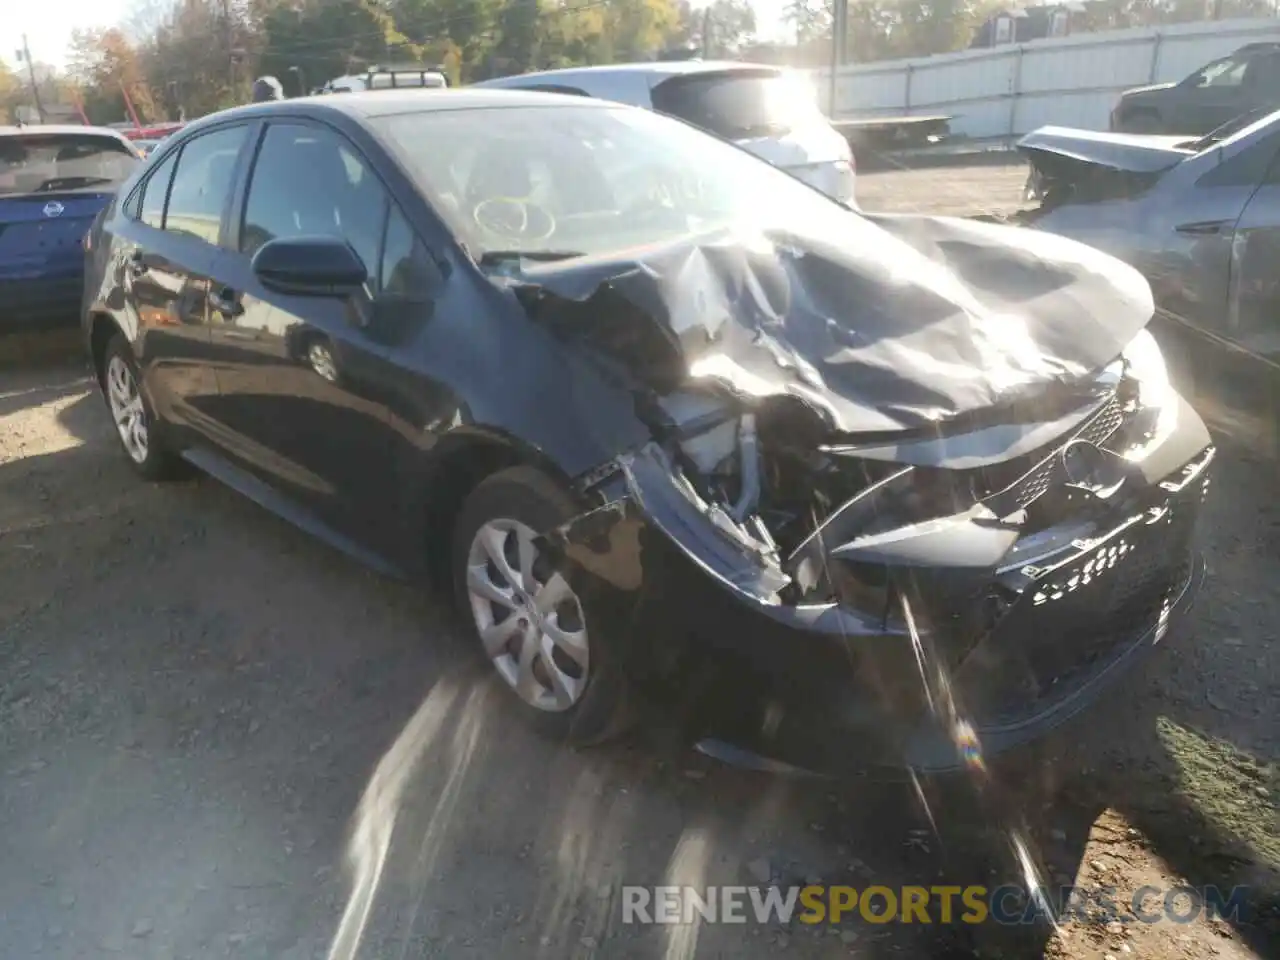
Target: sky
x=48 y=24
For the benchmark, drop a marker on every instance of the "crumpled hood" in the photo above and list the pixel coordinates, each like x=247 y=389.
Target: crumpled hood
x=1132 y=152
x=891 y=323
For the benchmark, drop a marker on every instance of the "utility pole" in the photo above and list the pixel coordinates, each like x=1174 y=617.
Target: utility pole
x=706 y=33
x=31 y=72
x=231 y=56
x=839 y=41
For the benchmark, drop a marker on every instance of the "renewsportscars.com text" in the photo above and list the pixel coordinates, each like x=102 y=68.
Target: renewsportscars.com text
x=974 y=904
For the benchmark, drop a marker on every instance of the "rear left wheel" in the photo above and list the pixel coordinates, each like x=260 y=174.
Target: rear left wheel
x=132 y=415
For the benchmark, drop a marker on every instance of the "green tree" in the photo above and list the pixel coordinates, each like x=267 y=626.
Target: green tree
x=463 y=30
x=10 y=93
x=808 y=19
x=327 y=39
x=731 y=26
x=105 y=66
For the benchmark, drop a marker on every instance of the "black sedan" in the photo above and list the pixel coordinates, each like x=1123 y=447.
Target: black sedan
x=910 y=489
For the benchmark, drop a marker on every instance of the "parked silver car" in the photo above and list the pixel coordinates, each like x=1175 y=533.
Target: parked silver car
x=764 y=109
x=1199 y=217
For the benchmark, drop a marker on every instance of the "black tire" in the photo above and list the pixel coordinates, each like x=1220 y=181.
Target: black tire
x=528 y=496
x=159 y=463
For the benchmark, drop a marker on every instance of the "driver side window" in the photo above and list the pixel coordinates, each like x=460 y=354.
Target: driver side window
x=309 y=181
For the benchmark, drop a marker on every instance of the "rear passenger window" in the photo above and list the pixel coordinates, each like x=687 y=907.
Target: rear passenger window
x=202 y=183
x=155 y=191
x=309 y=181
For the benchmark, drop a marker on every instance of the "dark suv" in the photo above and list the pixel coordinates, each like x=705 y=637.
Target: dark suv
x=1220 y=91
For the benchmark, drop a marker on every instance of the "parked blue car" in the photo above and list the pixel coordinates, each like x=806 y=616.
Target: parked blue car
x=53 y=181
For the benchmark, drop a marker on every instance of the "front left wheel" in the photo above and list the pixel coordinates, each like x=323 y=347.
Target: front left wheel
x=134 y=420
x=551 y=647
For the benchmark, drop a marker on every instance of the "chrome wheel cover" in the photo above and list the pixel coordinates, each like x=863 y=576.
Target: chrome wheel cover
x=127 y=410
x=529 y=619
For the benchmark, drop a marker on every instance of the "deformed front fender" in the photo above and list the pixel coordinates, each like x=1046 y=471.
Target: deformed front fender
x=607 y=543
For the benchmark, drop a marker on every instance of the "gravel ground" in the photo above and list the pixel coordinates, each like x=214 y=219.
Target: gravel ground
x=218 y=738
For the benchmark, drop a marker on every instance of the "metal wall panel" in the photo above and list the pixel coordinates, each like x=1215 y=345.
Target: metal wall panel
x=1011 y=90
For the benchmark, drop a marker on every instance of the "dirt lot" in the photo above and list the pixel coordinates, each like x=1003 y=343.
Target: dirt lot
x=218 y=738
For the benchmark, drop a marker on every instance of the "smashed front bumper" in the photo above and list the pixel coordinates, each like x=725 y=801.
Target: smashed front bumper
x=1005 y=651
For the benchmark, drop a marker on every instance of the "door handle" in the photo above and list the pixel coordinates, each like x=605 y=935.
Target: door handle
x=1202 y=228
x=136 y=264
x=226 y=302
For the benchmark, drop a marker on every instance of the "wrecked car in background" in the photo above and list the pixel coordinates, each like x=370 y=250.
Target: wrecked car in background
x=1217 y=93
x=1199 y=217
x=910 y=490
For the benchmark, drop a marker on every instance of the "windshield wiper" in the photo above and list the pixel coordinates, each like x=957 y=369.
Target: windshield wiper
x=70 y=183
x=493 y=257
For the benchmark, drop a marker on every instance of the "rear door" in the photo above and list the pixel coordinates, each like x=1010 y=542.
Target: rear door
x=51 y=188
x=168 y=241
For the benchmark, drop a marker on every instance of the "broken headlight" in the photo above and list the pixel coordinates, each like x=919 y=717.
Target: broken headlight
x=1157 y=415
x=1144 y=363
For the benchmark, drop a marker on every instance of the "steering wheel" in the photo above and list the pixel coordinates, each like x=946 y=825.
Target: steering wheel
x=515 y=218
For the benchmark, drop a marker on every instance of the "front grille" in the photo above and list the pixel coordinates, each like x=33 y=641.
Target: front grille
x=1025 y=486
x=1073 y=617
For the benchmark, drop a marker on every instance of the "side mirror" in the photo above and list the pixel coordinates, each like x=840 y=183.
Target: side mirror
x=309 y=266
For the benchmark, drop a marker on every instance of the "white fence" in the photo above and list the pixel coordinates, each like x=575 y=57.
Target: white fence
x=1012 y=89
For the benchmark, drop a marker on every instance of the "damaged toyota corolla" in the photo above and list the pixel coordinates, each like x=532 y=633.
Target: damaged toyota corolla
x=919 y=486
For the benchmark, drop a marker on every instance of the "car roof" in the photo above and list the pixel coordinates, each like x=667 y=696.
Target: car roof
x=60 y=129
x=366 y=104
x=661 y=68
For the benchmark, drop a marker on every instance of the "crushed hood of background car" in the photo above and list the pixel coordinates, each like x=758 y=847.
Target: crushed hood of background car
x=1132 y=153
x=898 y=324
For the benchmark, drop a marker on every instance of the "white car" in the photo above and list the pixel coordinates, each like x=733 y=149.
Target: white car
x=767 y=110
x=385 y=78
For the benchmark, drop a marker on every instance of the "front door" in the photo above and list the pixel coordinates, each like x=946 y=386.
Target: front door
x=1253 y=309
x=307 y=388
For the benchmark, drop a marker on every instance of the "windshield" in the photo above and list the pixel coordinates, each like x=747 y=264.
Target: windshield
x=594 y=179
x=42 y=162
x=1221 y=73
x=738 y=104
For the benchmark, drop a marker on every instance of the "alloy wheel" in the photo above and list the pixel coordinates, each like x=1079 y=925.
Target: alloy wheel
x=529 y=619
x=321 y=359
x=127 y=410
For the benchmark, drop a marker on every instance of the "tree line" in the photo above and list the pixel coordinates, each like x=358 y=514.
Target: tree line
x=189 y=57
